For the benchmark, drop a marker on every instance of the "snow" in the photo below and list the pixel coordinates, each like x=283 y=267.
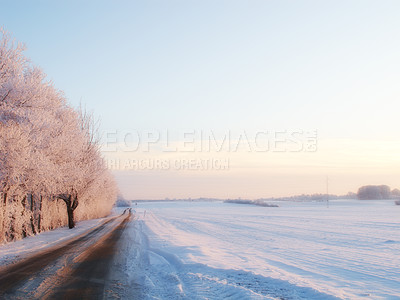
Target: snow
x=215 y=250
x=300 y=250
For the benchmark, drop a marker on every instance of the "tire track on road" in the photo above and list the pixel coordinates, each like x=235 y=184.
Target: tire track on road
x=86 y=279
x=13 y=276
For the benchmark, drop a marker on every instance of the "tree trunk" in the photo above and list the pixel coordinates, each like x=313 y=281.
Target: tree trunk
x=71 y=206
x=33 y=217
x=4 y=221
x=32 y=200
x=40 y=213
x=70 y=211
x=23 y=202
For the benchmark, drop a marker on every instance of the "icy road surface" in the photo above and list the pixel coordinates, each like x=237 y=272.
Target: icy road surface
x=75 y=268
x=232 y=251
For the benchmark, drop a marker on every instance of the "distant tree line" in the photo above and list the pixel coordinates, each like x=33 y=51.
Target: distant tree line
x=377 y=192
x=311 y=197
x=51 y=170
x=251 y=202
x=122 y=202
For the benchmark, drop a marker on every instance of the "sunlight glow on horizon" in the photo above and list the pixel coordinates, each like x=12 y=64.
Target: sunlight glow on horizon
x=258 y=174
x=330 y=66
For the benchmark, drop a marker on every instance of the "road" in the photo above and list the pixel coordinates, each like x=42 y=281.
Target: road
x=76 y=269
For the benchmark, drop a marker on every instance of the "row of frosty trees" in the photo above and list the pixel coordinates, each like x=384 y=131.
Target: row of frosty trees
x=49 y=155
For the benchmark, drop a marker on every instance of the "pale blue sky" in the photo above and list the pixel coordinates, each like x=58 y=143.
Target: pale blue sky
x=333 y=66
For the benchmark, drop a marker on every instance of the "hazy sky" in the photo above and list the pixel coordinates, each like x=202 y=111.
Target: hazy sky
x=320 y=77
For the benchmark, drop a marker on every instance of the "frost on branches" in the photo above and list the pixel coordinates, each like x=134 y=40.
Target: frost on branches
x=51 y=170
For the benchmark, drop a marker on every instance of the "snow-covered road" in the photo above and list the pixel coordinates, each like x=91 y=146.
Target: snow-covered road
x=214 y=250
x=76 y=268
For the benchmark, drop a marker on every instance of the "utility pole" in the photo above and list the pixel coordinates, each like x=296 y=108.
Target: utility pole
x=327 y=192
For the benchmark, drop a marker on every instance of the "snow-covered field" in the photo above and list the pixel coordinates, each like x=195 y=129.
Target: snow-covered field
x=214 y=250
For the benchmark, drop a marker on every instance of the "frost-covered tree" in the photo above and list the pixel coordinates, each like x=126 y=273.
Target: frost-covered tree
x=48 y=151
x=373 y=192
